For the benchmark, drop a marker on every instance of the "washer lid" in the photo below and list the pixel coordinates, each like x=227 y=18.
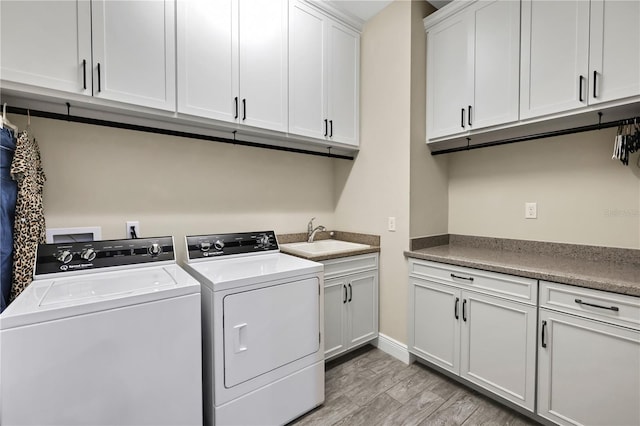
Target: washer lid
x=61 y=297
x=221 y=274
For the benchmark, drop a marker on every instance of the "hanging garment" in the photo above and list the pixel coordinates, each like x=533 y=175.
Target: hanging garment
x=8 y=195
x=29 y=229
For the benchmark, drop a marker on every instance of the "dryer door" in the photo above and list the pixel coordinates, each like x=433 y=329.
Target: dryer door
x=270 y=327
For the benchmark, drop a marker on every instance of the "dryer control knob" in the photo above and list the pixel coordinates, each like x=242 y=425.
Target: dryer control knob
x=154 y=249
x=88 y=254
x=219 y=245
x=65 y=256
x=264 y=240
x=205 y=246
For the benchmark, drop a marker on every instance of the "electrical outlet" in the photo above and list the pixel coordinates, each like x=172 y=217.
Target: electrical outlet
x=392 y=223
x=136 y=226
x=530 y=210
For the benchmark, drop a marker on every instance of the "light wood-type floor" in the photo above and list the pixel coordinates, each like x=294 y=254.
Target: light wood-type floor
x=370 y=387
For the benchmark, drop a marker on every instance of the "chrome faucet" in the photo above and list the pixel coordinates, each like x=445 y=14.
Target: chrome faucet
x=311 y=231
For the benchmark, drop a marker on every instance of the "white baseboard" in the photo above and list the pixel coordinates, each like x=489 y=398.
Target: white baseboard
x=393 y=347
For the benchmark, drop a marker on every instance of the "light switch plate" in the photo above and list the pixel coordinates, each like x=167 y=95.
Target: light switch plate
x=392 y=224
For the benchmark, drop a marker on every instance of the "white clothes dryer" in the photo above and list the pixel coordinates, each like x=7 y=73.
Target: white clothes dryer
x=107 y=333
x=262 y=324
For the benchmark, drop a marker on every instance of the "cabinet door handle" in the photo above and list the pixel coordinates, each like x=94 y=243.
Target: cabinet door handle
x=84 y=74
x=330 y=128
x=595 y=77
x=244 y=109
x=350 y=293
x=236 y=101
x=455 y=309
x=543 y=339
x=462 y=278
x=581 y=79
x=462 y=118
x=99 y=88
x=610 y=308
x=326 y=127
x=345 y=294
x=464 y=310
x=469 y=116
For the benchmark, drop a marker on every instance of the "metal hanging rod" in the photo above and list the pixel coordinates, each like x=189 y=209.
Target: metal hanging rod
x=591 y=127
x=147 y=129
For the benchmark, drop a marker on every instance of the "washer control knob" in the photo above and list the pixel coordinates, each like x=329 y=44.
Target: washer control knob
x=154 y=249
x=218 y=244
x=88 y=254
x=205 y=246
x=264 y=240
x=64 y=256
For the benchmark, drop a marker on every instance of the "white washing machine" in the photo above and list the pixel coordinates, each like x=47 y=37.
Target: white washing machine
x=262 y=326
x=108 y=333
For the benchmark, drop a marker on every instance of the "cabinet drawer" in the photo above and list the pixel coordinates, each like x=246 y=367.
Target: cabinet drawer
x=349 y=265
x=509 y=286
x=614 y=308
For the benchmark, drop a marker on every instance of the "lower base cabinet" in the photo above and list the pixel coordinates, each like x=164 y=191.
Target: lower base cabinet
x=458 y=323
x=588 y=364
x=350 y=303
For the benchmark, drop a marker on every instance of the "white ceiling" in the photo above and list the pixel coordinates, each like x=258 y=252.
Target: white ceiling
x=367 y=9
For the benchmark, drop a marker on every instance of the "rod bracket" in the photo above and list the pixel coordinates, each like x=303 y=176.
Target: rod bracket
x=599 y=119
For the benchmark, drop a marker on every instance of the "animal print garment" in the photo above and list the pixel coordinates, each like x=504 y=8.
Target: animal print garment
x=29 y=226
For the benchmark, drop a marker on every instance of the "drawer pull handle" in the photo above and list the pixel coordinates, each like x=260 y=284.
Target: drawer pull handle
x=461 y=278
x=455 y=309
x=543 y=340
x=611 y=308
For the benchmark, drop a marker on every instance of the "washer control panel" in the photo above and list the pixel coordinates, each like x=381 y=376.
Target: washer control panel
x=67 y=257
x=215 y=245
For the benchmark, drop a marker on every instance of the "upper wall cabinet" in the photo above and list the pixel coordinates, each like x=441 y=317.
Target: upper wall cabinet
x=32 y=56
x=323 y=76
x=232 y=61
x=472 y=68
x=48 y=44
x=134 y=52
x=578 y=53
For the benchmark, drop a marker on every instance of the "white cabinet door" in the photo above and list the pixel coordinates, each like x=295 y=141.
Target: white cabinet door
x=614 y=61
x=207 y=48
x=436 y=323
x=554 y=56
x=263 y=41
x=496 y=97
x=335 y=308
x=343 y=84
x=498 y=346
x=47 y=44
x=307 y=72
x=362 y=307
x=134 y=52
x=449 y=76
x=588 y=371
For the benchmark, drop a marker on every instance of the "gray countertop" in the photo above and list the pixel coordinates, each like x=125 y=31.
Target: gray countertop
x=618 y=277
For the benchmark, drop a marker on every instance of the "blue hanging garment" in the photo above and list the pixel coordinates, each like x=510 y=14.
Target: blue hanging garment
x=8 y=196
